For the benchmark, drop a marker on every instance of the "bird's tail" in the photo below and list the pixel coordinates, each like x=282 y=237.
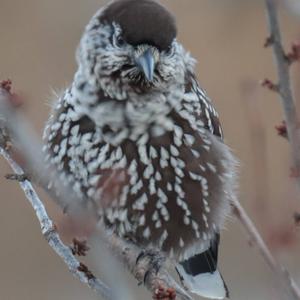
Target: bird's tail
x=200 y=275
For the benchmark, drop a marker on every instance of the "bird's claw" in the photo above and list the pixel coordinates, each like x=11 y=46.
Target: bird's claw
x=155 y=260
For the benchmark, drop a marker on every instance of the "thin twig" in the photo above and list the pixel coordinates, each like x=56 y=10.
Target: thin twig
x=281 y=273
x=284 y=85
x=293 y=132
x=50 y=233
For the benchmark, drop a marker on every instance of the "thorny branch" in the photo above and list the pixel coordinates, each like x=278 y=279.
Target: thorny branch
x=161 y=284
x=284 y=88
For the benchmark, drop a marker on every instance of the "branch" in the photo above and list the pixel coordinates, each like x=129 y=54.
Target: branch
x=281 y=273
x=49 y=231
x=284 y=86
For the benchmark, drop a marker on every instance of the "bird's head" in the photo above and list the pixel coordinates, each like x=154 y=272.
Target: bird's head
x=131 y=45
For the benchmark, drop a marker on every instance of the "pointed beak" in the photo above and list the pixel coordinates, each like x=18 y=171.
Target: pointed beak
x=146 y=62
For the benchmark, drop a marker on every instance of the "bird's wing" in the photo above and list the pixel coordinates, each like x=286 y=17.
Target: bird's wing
x=199 y=272
x=204 y=110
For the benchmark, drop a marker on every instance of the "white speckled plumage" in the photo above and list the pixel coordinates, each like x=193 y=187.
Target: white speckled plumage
x=150 y=155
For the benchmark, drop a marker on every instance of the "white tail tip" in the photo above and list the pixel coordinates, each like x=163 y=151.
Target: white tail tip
x=207 y=285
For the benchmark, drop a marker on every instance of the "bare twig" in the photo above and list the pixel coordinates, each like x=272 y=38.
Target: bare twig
x=282 y=274
x=284 y=86
x=50 y=233
x=290 y=129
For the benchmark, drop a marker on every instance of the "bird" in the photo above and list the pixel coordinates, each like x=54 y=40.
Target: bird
x=139 y=140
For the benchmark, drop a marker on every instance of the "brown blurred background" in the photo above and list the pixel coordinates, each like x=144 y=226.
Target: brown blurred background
x=37 y=44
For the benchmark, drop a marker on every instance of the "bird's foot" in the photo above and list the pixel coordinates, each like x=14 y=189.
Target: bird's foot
x=152 y=260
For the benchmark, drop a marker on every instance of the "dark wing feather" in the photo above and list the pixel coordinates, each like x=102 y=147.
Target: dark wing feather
x=207 y=113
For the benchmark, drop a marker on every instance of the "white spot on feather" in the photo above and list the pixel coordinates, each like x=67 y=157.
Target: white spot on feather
x=147 y=233
x=181 y=243
x=189 y=140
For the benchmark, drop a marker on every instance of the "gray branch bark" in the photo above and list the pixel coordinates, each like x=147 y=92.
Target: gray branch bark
x=52 y=237
x=127 y=253
x=284 y=84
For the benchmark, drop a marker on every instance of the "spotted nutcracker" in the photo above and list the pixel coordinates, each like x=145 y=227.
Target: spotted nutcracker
x=138 y=138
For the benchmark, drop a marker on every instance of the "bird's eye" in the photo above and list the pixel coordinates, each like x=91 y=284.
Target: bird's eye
x=169 y=50
x=120 y=41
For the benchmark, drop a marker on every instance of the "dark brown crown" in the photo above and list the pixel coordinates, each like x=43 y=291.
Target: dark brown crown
x=142 y=22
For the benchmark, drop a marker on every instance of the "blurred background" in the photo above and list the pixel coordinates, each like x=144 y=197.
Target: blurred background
x=38 y=39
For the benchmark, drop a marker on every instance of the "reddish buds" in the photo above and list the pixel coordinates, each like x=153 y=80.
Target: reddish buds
x=6 y=85
x=84 y=269
x=79 y=248
x=269 y=41
x=282 y=130
x=267 y=83
x=294 y=54
x=15 y=100
x=164 y=293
